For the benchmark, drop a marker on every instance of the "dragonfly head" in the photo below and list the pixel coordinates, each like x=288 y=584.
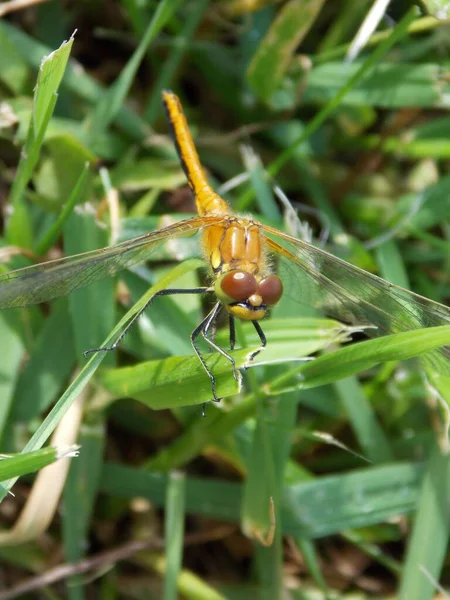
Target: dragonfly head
x=245 y=297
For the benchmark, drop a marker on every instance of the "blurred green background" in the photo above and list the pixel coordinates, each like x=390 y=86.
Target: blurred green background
x=339 y=490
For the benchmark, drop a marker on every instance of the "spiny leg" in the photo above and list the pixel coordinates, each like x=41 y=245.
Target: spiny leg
x=262 y=339
x=213 y=330
x=232 y=330
x=216 y=347
x=210 y=322
x=202 y=290
x=206 y=323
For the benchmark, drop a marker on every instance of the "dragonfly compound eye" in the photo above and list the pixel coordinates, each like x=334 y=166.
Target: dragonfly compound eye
x=235 y=286
x=270 y=289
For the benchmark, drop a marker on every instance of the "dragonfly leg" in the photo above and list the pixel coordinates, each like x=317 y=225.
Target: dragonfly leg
x=212 y=323
x=212 y=335
x=232 y=330
x=206 y=323
x=171 y=292
x=262 y=339
x=203 y=330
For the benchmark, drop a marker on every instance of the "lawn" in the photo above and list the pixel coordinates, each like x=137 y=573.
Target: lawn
x=323 y=473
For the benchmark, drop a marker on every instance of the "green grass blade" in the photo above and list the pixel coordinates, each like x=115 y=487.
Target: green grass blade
x=346 y=22
x=51 y=235
x=420 y=25
x=311 y=558
x=49 y=365
x=429 y=539
x=181 y=380
x=263 y=491
x=49 y=78
x=263 y=191
x=358 y=357
x=328 y=505
x=79 y=497
x=268 y=66
x=29 y=462
x=75 y=80
x=92 y=308
x=326 y=369
x=113 y=99
x=174 y=381
x=201 y=432
x=169 y=68
x=371 y=437
x=174 y=533
x=291 y=338
x=14 y=72
x=385 y=86
x=392 y=267
x=397 y=34
x=83 y=378
x=9 y=365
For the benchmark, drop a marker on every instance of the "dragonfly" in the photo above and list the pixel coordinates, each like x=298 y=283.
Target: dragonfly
x=242 y=254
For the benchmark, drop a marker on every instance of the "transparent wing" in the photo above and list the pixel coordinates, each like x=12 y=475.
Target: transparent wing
x=43 y=282
x=354 y=296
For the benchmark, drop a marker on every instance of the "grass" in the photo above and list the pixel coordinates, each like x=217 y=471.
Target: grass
x=336 y=469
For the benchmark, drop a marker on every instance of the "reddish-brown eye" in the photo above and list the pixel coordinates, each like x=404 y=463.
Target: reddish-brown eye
x=238 y=285
x=270 y=289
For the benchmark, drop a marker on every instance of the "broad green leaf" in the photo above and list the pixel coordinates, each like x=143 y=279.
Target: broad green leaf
x=174 y=381
x=181 y=380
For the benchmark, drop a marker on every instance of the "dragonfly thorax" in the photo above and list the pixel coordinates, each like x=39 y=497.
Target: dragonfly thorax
x=234 y=244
